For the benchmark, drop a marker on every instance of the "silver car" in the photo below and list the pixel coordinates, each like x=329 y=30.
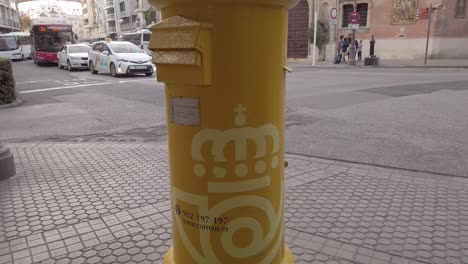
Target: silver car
x=73 y=56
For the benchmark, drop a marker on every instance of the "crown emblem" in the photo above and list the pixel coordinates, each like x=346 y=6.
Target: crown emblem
x=252 y=178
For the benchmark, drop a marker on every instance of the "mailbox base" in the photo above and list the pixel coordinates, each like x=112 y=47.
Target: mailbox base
x=288 y=257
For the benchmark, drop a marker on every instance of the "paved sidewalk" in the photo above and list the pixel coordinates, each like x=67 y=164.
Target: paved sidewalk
x=385 y=64
x=108 y=203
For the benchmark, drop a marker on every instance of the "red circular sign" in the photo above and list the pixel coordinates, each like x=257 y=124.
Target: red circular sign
x=333 y=13
x=354 y=18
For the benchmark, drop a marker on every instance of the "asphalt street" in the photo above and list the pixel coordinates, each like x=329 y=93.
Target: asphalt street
x=406 y=118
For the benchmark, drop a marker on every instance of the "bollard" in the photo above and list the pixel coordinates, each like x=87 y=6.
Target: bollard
x=372 y=47
x=7 y=164
x=223 y=65
x=372 y=60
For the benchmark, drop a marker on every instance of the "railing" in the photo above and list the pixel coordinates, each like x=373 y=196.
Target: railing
x=110 y=17
x=6 y=22
x=125 y=13
x=109 y=4
x=127 y=26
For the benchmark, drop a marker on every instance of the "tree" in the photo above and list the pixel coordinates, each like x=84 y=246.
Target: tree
x=150 y=16
x=25 y=22
x=323 y=35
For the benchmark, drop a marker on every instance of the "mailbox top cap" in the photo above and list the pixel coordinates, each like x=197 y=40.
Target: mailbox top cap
x=165 y=3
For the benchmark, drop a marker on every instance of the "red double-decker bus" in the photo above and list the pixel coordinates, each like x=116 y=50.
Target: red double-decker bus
x=48 y=35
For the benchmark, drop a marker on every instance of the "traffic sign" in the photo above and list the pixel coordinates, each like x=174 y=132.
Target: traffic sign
x=354 y=18
x=333 y=13
x=353 y=26
x=333 y=21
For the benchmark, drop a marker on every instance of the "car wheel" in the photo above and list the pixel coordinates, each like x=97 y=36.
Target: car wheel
x=113 y=70
x=59 y=64
x=149 y=74
x=69 y=66
x=91 y=68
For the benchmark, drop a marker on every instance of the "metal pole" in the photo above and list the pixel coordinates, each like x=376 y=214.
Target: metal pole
x=315 y=32
x=336 y=29
x=352 y=48
x=428 y=33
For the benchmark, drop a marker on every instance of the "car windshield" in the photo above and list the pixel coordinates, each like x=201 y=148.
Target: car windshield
x=78 y=49
x=124 y=48
x=8 y=43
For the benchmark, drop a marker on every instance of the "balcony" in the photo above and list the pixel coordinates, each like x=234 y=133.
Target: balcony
x=112 y=30
x=90 y=25
x=109 y=4
x=8 y=23
x=5 y=3
x=128 y=26
x=125 y=13
x=110 y=17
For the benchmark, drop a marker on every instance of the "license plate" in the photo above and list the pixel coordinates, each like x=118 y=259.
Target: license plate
x=140 y=67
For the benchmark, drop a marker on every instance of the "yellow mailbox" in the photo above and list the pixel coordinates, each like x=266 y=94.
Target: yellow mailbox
x=223 y=65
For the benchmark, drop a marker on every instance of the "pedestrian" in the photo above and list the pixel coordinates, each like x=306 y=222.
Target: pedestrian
x=359 y=53
x=339 y=47
x=344 y=49
x=350 y=41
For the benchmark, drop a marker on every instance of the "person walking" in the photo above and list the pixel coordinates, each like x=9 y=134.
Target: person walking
x=344 y=49
x=359 y=52
x=339 y=47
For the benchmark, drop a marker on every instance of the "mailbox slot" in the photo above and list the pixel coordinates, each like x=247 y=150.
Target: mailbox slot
x=182 y=51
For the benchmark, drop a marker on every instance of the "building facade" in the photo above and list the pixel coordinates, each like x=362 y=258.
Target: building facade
x=9 y=16
x=94 y=20
x=399 y=32
x=113 y=18
x=56 y=8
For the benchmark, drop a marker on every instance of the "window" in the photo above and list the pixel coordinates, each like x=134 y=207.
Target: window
x=347 y=9
x=25 y=40
x=122 y=6
x=125 y=48
x=97 y=47
x=362 y=10
x=133 y=38
x=106 y=48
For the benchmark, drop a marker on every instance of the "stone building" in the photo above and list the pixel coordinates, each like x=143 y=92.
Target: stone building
x=9 y=16
x=399 y=33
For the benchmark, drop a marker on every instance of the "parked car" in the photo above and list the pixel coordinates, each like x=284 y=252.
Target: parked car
x=119 y=58
x=73 y=56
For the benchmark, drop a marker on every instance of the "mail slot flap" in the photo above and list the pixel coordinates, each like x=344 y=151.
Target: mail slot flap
x=177 y=57
x=182 y=51
x=177 y=33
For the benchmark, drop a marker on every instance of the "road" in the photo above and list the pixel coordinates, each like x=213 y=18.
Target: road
x=405 y=118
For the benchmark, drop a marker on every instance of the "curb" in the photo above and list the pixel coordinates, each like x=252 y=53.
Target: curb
x=380 y=67
x=14 y=104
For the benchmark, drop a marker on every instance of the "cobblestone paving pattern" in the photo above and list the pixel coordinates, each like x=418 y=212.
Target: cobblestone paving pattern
x=109 y=203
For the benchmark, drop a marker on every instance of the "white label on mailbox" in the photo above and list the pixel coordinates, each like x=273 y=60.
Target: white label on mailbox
x=185 y=111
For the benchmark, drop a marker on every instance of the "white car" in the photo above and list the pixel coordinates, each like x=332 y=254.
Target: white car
x=119 y=58
x=73 y=56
